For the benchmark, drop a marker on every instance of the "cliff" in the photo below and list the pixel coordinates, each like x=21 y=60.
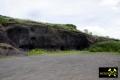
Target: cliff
x=27 y=34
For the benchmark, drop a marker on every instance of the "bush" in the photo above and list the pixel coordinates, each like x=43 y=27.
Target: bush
x=2 y=20
x=71 y=26
x=106 y=46
x=37 y=52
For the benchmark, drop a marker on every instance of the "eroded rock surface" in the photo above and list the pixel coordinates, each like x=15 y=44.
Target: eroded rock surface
x=30 y=37
x=8 y=50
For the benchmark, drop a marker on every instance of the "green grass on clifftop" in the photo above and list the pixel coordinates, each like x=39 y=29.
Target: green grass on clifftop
x=4 y=20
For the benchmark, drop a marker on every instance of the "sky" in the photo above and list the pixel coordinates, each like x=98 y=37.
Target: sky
x=101 y=17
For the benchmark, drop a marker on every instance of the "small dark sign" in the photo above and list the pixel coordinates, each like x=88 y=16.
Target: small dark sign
x=108 y=72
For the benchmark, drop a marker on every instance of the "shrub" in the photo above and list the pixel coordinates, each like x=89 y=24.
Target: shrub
x=2 y=20
x=37 y=52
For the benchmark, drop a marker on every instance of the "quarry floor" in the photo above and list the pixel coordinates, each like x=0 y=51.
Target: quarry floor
x=68 y=67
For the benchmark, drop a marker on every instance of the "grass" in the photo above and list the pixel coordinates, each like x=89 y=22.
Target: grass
x=105 y=46
x=55 y=52
x=6 y=20
x=39 y=52
x=69 y=27
x=111 y=47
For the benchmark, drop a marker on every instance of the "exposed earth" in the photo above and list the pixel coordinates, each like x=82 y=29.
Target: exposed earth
x=46 y=67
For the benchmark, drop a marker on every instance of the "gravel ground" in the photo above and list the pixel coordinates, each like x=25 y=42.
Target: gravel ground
x=69 y=67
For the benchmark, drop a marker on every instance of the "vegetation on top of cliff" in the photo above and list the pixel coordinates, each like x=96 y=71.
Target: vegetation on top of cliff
x=8 y=20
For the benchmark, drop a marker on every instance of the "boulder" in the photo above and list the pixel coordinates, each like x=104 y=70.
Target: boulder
x=9 y=50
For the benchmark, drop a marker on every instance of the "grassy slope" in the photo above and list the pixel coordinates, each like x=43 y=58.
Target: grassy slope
x=105 y=46
x=8 y=20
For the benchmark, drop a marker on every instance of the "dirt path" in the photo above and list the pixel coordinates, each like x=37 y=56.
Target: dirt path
x=70 y=67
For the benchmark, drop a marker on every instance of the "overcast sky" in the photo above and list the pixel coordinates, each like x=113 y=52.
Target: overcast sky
x=102 y=17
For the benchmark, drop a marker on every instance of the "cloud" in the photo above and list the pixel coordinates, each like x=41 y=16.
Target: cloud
x=99 y=16
x=114 y=4
x=96 y=30
x=110 y=2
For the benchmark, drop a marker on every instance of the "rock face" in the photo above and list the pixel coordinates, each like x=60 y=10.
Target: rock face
x=26 y=34
x=30 y=37
x=8 y=50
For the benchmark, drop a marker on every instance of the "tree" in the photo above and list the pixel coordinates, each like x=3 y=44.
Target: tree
x=87 y=32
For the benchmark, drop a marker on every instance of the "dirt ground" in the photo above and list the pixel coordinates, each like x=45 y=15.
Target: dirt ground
x=69 y=67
